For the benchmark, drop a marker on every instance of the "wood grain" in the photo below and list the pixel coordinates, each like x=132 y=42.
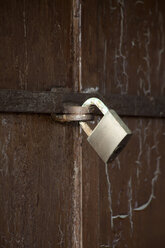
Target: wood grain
x=123 y=54
x=54 y=190
x=50 y=102
x=36 y=155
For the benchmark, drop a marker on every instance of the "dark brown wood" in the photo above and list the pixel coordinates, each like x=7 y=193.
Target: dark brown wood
x=142 y=106
x=123 y=54
x=54 y=189
x=50 y=102
x=37 y=157
x=30 y=102
x=77 y=147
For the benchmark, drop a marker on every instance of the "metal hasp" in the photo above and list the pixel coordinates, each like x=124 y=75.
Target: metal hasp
x=73 y=114
x=51 y=102
x=111 y=134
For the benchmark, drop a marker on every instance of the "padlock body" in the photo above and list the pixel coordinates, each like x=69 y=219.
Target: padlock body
x=110 y=136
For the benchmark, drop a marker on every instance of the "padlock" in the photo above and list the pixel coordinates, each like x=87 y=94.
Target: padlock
x=111 y=134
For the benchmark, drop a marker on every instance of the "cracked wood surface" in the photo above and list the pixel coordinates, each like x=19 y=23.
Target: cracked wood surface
x=39 y=177
x=123 y=53
x=54 y=190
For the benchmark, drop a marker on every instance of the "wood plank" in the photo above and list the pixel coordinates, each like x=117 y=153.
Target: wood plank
x=123 y=54
x=36 y=155
x=50 y=102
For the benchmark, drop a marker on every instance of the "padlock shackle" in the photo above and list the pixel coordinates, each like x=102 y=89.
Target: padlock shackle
x=101 y=106
x=97 y=102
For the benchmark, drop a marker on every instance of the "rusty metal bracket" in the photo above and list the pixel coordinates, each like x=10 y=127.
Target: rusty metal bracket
x=73 y=113
x=72 y=117
x=49 y=102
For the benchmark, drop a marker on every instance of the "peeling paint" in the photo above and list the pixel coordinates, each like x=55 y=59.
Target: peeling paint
x=145 y=205
x=91 y=90
x=109 y=193
x=104 y=67
x=61 y=236
x=147 y=87
x=154 y=180
x=142 y=133
x=161 y=34
x=119 y=54
x=4 y=122
x=130 y=202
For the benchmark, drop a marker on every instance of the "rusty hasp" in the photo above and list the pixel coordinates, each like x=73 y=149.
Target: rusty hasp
x=48 y=102
x=73 y=114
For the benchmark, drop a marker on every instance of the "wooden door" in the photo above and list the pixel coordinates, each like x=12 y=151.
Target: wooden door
x=54 y=189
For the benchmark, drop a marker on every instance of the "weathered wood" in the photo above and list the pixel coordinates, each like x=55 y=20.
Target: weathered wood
x=51 y=102
x=30 y=102
x=123 y=54
x=129 y=105
x=54 y=190
x=37 y=171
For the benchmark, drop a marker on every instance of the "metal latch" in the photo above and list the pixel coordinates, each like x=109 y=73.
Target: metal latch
x=111 y=134
x=73 y=113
